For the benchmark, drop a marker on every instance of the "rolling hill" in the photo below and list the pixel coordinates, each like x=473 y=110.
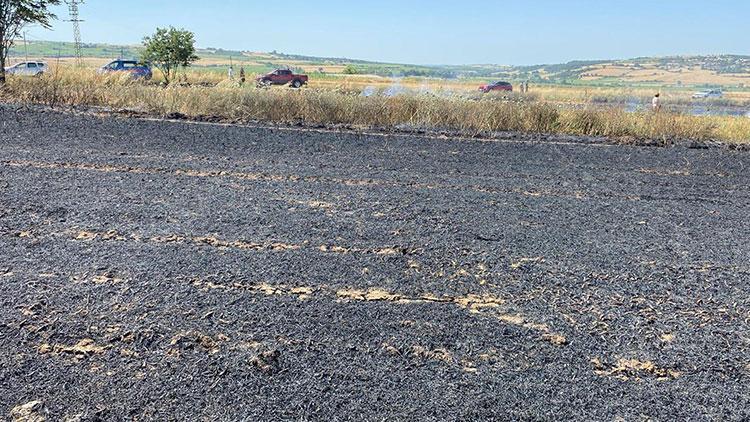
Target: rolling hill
x=725 y=70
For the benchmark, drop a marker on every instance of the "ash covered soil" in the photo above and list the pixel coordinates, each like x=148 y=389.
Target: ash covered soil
x=175 y=271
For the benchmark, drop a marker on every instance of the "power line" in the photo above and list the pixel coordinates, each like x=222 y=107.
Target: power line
x=74 y=17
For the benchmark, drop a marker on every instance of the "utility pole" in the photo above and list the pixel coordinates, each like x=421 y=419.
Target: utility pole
x=73 y=11
x=25 y=47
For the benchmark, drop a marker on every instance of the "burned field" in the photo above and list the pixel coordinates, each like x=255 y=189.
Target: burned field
x=174 y=271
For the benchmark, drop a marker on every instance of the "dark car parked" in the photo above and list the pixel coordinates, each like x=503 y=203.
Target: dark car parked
x=497 y=86
x=137 y=70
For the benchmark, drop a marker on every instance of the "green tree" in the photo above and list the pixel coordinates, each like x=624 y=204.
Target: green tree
x=169 y=49
x=350 y=70
x=14 y=15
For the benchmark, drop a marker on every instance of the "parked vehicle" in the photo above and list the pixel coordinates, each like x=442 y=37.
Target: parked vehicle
x=136 y=70
x=27 y=69
x=497 y=86
x=709 y=93
x=282 y=77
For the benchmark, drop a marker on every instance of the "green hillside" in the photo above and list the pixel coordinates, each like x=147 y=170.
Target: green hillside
x=690 y=70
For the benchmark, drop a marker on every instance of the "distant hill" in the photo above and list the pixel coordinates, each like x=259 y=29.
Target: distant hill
x=685 y=70
x=679 y=70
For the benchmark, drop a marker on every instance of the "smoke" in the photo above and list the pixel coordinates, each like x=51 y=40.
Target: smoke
x=396 y=87
x=633 y=105
x=369 y=91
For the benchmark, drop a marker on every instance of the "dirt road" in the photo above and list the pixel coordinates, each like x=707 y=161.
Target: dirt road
x=173 y=271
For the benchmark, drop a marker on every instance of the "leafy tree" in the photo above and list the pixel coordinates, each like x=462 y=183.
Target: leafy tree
x=169 y=49
x=350 y=70
x=14 y=15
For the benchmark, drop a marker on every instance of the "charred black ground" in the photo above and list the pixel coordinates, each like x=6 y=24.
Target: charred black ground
x=160 y=270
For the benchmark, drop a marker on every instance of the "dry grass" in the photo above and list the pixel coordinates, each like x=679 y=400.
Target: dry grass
x=548 y=92
x=341 y=106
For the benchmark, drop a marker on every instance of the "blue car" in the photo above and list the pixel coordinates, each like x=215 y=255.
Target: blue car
x=136 y=70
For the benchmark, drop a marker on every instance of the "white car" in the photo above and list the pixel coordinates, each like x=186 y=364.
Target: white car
x=27 y=69
x=711 y=93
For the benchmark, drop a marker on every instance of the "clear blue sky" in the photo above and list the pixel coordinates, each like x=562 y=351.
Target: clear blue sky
x=431 y=32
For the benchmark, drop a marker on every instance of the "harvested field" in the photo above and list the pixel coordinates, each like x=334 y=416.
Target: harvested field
x=177 y=271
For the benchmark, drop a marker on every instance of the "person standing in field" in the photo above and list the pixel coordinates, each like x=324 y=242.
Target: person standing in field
x=231 y=72
x=656 y=103
x=242 y=75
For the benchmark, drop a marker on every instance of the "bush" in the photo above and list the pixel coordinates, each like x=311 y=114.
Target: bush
x=350 y=70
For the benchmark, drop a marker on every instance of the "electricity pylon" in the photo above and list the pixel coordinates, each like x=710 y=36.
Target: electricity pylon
x=73 y=10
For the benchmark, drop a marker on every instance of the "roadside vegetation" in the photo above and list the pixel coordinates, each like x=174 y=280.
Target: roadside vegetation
x=329 y=106
x=169 y=49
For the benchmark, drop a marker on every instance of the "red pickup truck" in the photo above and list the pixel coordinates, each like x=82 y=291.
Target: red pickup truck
x=282 y=77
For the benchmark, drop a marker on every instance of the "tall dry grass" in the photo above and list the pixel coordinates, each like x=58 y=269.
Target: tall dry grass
x=332 y=106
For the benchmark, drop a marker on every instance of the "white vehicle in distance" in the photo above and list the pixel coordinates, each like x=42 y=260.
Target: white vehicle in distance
x=27 y=69
x=709 y=93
